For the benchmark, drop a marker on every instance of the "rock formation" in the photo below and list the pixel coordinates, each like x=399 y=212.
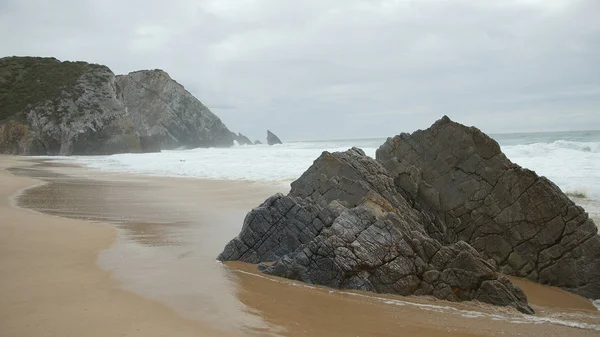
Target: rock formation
x=509 y=214
x=272 y=139
x=257 y=142
x=241 y=139
x=49 y=107
x=163 y=110
x=437 y=213
x=53 y=107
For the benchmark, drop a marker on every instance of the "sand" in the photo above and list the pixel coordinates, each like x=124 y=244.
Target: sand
x=52 y=286
x=146 y=266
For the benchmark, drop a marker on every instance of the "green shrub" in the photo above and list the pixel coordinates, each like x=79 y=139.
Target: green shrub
x=28 y=81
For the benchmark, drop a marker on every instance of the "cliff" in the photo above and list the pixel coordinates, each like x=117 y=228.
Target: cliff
x=163 y=110
x=49 y=107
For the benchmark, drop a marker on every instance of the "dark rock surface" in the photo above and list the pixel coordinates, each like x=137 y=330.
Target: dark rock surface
x=509 y=214
x=440 y=212
x=257 y=142
x=272 y=139
x=345 y=225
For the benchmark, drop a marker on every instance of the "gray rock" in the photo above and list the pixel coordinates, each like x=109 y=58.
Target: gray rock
x=272 y=139
x=48 y=107
x=257 y=142
x=345 y=224
x=161 y=108
x=65 y=108
x=509 y=214
x=241 y=139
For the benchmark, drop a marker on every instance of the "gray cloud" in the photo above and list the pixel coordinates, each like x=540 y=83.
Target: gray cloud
x=332 y=69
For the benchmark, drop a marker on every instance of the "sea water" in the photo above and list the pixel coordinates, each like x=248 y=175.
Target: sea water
x=569 y=159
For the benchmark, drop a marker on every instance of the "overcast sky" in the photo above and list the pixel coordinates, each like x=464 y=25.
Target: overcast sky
x=319 y=69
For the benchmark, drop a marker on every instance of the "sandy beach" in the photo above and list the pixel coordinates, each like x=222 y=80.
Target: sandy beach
x=84 y=253
x=52 y=285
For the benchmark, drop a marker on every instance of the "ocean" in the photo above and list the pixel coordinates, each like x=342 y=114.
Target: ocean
x=569 y=159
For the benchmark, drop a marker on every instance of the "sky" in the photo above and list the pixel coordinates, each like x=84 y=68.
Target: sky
x=324 y=69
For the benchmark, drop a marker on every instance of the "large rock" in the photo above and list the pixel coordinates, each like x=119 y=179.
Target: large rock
x=53 y=107
x=162 y=109
x=344 y=224
x=272 y=139
x=440 y=212
x=508 y=213
x=48 y=107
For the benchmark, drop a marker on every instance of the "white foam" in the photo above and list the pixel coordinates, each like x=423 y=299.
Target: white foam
x=257 y=162
x=573 y=166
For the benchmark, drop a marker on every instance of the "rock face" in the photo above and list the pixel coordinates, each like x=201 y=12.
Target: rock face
x=431 y=216
x=163 y=110
x=272 y=139
x=48 y=107
x=53 y=107
x=257 y=142
x=509 y=214
x=241 y=139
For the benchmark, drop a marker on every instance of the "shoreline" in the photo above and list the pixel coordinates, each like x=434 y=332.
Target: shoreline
x=52 y=284
x=172 y=265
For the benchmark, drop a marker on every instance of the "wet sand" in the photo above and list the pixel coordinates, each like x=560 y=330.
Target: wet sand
x=52 y=286
x=162 y=258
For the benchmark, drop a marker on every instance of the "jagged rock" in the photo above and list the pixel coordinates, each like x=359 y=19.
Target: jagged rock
x=48 y=107
x=345 y=224
x=272 y=139
x=257 y=142
x=241 y=139
x=509 y=214
x=161 y=108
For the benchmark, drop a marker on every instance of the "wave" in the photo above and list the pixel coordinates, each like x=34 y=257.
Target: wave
x=574 y=166
x=557 y=145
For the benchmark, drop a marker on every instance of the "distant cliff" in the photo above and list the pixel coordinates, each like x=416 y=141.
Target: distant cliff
x=48 y=107
x=163 y=110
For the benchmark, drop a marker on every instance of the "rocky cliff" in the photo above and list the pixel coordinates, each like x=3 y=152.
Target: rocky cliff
x=440 y=212
x=53 y=107
x=49 y=107
x=162 y=109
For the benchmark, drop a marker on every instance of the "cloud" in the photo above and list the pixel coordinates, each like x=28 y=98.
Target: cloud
x=332 y=69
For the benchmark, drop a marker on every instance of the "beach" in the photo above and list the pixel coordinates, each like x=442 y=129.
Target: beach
x=92 y=253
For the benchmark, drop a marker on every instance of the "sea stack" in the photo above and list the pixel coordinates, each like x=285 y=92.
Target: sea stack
x=439 y=212
x=241 y=139
x=272 y=139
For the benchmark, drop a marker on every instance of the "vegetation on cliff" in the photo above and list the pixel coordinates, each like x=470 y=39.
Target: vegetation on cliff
x=29 y=81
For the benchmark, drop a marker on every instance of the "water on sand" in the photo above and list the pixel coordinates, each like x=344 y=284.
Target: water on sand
x=172 y=230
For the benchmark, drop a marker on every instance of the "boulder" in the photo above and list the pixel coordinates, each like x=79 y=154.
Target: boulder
x=272 y=139
x=439 y=212
x=257 y=142
x=522 y=221
x=344 y=224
